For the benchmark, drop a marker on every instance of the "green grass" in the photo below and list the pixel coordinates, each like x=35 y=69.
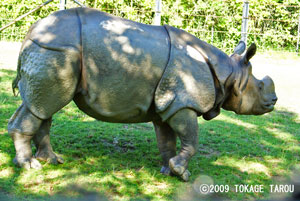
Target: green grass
x=122 y=162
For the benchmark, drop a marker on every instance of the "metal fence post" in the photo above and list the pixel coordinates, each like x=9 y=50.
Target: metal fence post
x=78 y=3
x=157 y=18
x=245 y=21
x=212 y=35
x=62 y=4
x=297 y=49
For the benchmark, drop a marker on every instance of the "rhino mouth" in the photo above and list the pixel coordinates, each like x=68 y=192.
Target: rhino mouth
x=269 y=106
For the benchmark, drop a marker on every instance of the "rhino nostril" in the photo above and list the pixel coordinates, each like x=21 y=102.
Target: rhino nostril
x=275 y=99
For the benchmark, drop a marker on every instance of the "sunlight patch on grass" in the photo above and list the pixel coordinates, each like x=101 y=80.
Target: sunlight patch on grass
x=110 y=178
x=238 y=122
x=53 y=174
x=51 y=182
x=4 y=158
x=87 y=119
x=154 y=187
x=2 y=73
x=279 y=134
x=269 y=144
x=243 y=165
x=161 y=185
x=272 y=160
x=5 y=173
x=4 y=105
x=28 y=176
x=31 y=178
x=121 y=175
x=294 y=147
x=2 y=131
x=141 y=182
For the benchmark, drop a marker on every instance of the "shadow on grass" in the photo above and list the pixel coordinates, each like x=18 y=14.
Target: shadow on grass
x=121 y=161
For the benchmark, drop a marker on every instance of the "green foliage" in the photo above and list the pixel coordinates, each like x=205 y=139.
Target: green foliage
x=273 y=24
x=11 y=9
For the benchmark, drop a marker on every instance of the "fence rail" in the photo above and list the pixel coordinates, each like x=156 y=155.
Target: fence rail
x=200 y=19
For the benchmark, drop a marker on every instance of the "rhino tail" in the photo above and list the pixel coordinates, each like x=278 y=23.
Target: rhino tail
x=17 y=79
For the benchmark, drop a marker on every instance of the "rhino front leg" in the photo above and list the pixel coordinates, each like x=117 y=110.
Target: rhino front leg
x=22 y=126
x=185 y=125
x=42 y=142
x=166 y=141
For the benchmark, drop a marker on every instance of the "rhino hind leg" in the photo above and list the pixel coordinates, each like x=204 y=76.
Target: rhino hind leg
x=48 y=78
x=22 y=126
x=185 y=125
x=166 y=141
x=42 y=142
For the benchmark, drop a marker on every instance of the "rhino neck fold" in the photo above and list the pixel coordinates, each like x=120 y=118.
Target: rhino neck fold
x=221 y=67
x=233 y=80
x=228 y=85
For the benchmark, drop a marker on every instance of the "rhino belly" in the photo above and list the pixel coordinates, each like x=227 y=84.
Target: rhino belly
x=123 y=62
x=130 y=115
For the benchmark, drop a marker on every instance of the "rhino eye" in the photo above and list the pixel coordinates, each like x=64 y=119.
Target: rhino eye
x=261 y=85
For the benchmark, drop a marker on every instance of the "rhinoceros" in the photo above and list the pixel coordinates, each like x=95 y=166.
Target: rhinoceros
x=121 y=71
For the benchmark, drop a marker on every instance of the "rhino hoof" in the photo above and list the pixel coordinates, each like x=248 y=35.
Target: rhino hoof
x=51 y=158
x=165 y=170
x=28 y=163
x=178 y=169
x=181 y=172
x=185 y=176
x=55 y=160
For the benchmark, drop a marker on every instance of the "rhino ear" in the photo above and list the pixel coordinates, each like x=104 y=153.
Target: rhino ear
x=240 y=48
x=250 y=53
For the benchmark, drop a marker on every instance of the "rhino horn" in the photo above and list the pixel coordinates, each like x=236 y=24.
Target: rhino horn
x=240 y=48
x=250 y=53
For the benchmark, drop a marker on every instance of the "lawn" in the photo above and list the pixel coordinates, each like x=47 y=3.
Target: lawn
x=122 y=162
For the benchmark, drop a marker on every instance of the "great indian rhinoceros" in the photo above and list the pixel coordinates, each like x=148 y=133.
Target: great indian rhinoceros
x=117 y=70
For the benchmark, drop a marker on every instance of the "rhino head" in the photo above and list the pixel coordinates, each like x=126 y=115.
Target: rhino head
x=249 y=95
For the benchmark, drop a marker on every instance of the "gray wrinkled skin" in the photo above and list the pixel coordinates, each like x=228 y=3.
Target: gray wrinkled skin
x=117 y=70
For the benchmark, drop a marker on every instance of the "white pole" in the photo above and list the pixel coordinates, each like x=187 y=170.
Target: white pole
x=245 y=21
x=157 y=18
x=298 y=34
x=62 y=4
x=212 y=35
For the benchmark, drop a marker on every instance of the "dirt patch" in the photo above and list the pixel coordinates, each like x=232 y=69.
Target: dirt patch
x=9 y=52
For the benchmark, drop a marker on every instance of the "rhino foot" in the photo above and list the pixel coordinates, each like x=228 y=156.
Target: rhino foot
x=27 y=163
x=49 y=156
x=166 y=170
x=178 y=166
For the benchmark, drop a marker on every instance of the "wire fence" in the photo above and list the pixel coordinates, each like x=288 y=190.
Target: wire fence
x=272 y=26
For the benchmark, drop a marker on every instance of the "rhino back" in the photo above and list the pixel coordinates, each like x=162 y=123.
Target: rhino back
x=123 y=62
x=59 y=31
